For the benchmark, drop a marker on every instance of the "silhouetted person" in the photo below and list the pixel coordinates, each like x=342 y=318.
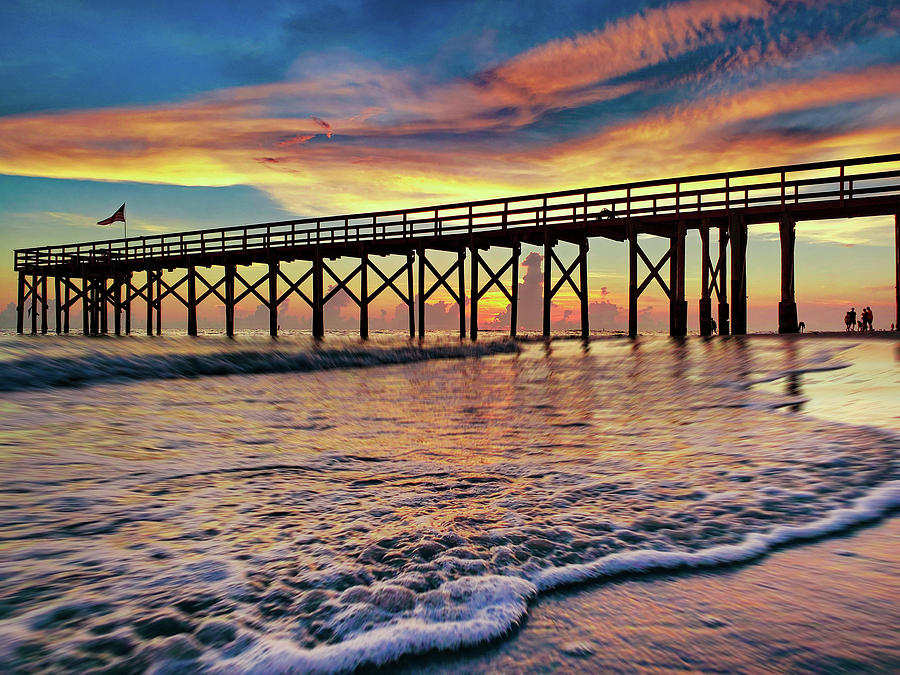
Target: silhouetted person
x=850 y=319
x=868 y=317
x=801 y=326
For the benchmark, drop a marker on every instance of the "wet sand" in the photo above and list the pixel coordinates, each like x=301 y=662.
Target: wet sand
x=825 y=607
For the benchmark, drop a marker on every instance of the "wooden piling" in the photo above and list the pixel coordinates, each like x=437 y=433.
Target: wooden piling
x=149 y=293
x=57 y=288
x=724 y=309
x=548 y=280
x=159 y=302
x=514 y=303
x=678 y=304
x=273 y=298
x=364 y=296
x=103 y=305
x=68 y=303
x=44 y=304
x=410 y=256
x=20 y=304
x=632 y=281
x=318 y=309
x=473 y=319
x=127 y=305
x=421 y=275
x=738 y=237
x=117 y=305
x=787 y=308
x=461 y=260
x=34 y=314
x=585 y=320
x=705 y=301
x=85 y=305
x=897 y=265
x=229 y=299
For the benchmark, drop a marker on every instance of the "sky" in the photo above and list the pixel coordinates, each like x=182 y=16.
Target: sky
x=207 y=114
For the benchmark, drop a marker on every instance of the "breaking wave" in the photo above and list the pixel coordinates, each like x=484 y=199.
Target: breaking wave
x=25 y=372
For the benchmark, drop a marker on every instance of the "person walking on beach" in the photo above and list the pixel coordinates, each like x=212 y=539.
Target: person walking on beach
x=868 y=318
x=850 y=319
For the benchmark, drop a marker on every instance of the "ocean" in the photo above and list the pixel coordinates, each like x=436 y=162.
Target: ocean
x=211 y=505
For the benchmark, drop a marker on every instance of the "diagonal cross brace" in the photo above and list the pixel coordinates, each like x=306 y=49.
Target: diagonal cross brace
x=389 y=282
x=441 y=280
x=294 y=287
x=251 y=288
x=566 y=275
x=654 y=272
x=171 y=290
x=341 y=283
x=494 y=278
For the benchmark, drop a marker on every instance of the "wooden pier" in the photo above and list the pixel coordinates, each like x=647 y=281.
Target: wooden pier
x=115 y=274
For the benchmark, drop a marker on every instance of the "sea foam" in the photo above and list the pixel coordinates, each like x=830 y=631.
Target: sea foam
x=474 y=610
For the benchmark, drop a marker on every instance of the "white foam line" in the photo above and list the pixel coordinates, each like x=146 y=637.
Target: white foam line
x=865 y=509
x=496 y=604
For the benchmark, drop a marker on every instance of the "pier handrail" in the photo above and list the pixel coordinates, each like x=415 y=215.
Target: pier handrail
x=777 y=186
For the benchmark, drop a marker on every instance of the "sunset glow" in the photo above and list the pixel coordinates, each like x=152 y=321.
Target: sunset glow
x=333 y=124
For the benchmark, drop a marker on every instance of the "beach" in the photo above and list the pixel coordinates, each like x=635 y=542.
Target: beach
x=284 y=506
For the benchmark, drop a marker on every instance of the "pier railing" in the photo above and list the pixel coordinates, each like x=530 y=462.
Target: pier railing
x=785 y=187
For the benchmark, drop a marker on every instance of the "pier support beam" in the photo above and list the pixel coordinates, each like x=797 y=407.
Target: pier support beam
x=410 y=259
x=57 y=288
x=787 y=308
x=897 y=264
x=273 y=298
x=632 y=281
x=364 y=296
x=738 y=238
x=705 y=273
x=192 y=300
x=34 y=291
x=127 y=304
x=473 y=319
x=461 y=261
x=229 y=299
x=117 y=304
x=495 y=278
x=85 y=305
x=548 y=281
x=20 y=304
x=103 y=306
x=44 y=304
x=514 y=302
x=677 y=303
x=722 y=267
x=318 y=306
x=149 y=295
x=68 y=304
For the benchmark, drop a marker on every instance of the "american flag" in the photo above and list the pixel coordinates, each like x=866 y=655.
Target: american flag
x=118 y=216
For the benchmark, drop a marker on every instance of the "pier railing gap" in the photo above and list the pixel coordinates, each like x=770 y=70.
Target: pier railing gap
x=109 y=276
